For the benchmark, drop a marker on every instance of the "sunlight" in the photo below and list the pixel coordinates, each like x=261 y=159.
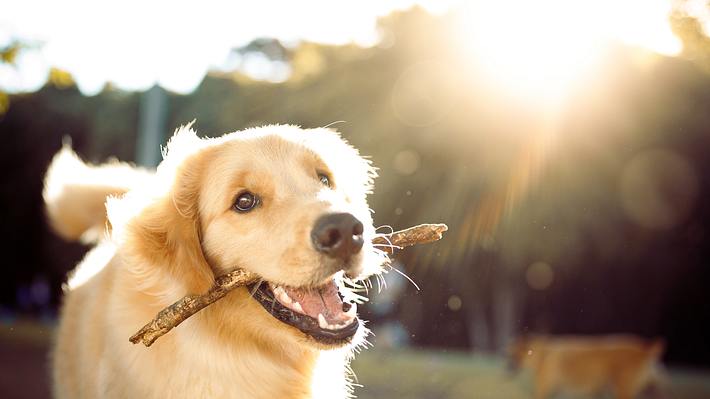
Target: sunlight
x=539 y=52
x=541 y=49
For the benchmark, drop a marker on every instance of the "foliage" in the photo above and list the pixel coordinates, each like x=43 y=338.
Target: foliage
x=8 y=54
x=696 y=44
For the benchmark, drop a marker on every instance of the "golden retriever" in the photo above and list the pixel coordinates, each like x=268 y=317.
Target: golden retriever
x=286 y=203
x=587 y=364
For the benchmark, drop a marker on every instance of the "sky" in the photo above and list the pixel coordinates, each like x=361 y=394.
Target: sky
x=135 y=44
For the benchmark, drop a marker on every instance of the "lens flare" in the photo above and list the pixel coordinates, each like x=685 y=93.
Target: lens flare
x=539 y=49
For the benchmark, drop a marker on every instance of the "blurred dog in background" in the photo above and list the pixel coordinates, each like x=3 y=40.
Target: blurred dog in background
x=624 y=364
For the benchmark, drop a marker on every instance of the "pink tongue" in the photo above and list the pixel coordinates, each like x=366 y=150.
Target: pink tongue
x=324 y=300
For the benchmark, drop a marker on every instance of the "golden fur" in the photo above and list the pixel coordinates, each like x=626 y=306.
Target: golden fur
x=622 y=363
x=171 y=233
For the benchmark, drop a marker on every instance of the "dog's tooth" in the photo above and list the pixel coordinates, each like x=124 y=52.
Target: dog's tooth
x=284 y=298
x=297 y=307
x=321 y=321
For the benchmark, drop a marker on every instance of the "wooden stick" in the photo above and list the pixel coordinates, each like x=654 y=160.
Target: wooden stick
x=421 y=234
x=179 y=311
x=173 y=315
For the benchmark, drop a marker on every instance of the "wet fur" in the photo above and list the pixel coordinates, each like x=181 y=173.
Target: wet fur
x=169 y=233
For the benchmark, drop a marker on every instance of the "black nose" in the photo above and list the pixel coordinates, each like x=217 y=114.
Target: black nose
x=338 y=235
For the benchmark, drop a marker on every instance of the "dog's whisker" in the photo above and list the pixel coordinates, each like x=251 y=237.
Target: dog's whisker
x=364 y=287
x=333 y=123
x=381 y=278
x=405 y=276
x=389 y=243
x=391 y=230
x=256 y=287
x=381 y=254
x=386 y=246
x=273 y=303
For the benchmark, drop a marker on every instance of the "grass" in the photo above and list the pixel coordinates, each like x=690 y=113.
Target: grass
x=427 y=374
x=26 y=332
x=411 y=374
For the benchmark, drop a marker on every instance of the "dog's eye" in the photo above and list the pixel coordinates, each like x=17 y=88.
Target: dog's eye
x=324 y=179
x=245 y=202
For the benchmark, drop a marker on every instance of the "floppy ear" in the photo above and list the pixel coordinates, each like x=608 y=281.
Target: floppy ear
x=166 y=233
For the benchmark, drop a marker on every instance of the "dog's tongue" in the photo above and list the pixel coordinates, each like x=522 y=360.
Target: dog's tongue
x=324 y=300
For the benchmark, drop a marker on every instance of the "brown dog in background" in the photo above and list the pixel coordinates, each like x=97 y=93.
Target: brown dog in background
x=285 y=203
x=624 y=364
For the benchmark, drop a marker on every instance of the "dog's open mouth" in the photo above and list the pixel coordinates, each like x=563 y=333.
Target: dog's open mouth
x=318 y=312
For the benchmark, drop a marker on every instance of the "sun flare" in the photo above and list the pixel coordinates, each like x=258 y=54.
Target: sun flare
x=540 y=49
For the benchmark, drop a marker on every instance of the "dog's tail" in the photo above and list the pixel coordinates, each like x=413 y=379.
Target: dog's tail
x=75 y=193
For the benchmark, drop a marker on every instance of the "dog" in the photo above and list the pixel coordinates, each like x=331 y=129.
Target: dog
x=285 y=203
x=586 y=364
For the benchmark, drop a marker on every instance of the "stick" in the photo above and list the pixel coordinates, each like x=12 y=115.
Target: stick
x=179 y=311
x=173 y=315
x=421 y=234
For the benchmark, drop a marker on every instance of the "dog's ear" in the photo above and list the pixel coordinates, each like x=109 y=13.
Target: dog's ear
x=166 y=232
x=657 y=347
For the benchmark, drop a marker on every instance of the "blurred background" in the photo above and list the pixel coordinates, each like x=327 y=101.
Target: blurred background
x=565 y=143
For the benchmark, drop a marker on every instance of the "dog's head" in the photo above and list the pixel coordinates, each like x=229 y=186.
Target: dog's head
x=284 y=203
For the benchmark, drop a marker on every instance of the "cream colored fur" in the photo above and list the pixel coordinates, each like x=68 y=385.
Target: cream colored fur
x=170 y=233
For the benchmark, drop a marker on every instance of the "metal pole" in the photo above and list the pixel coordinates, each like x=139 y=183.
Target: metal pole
x=151 y=125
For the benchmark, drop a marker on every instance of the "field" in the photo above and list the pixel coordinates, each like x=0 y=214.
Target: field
x=380 y=374
x=441 y=374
